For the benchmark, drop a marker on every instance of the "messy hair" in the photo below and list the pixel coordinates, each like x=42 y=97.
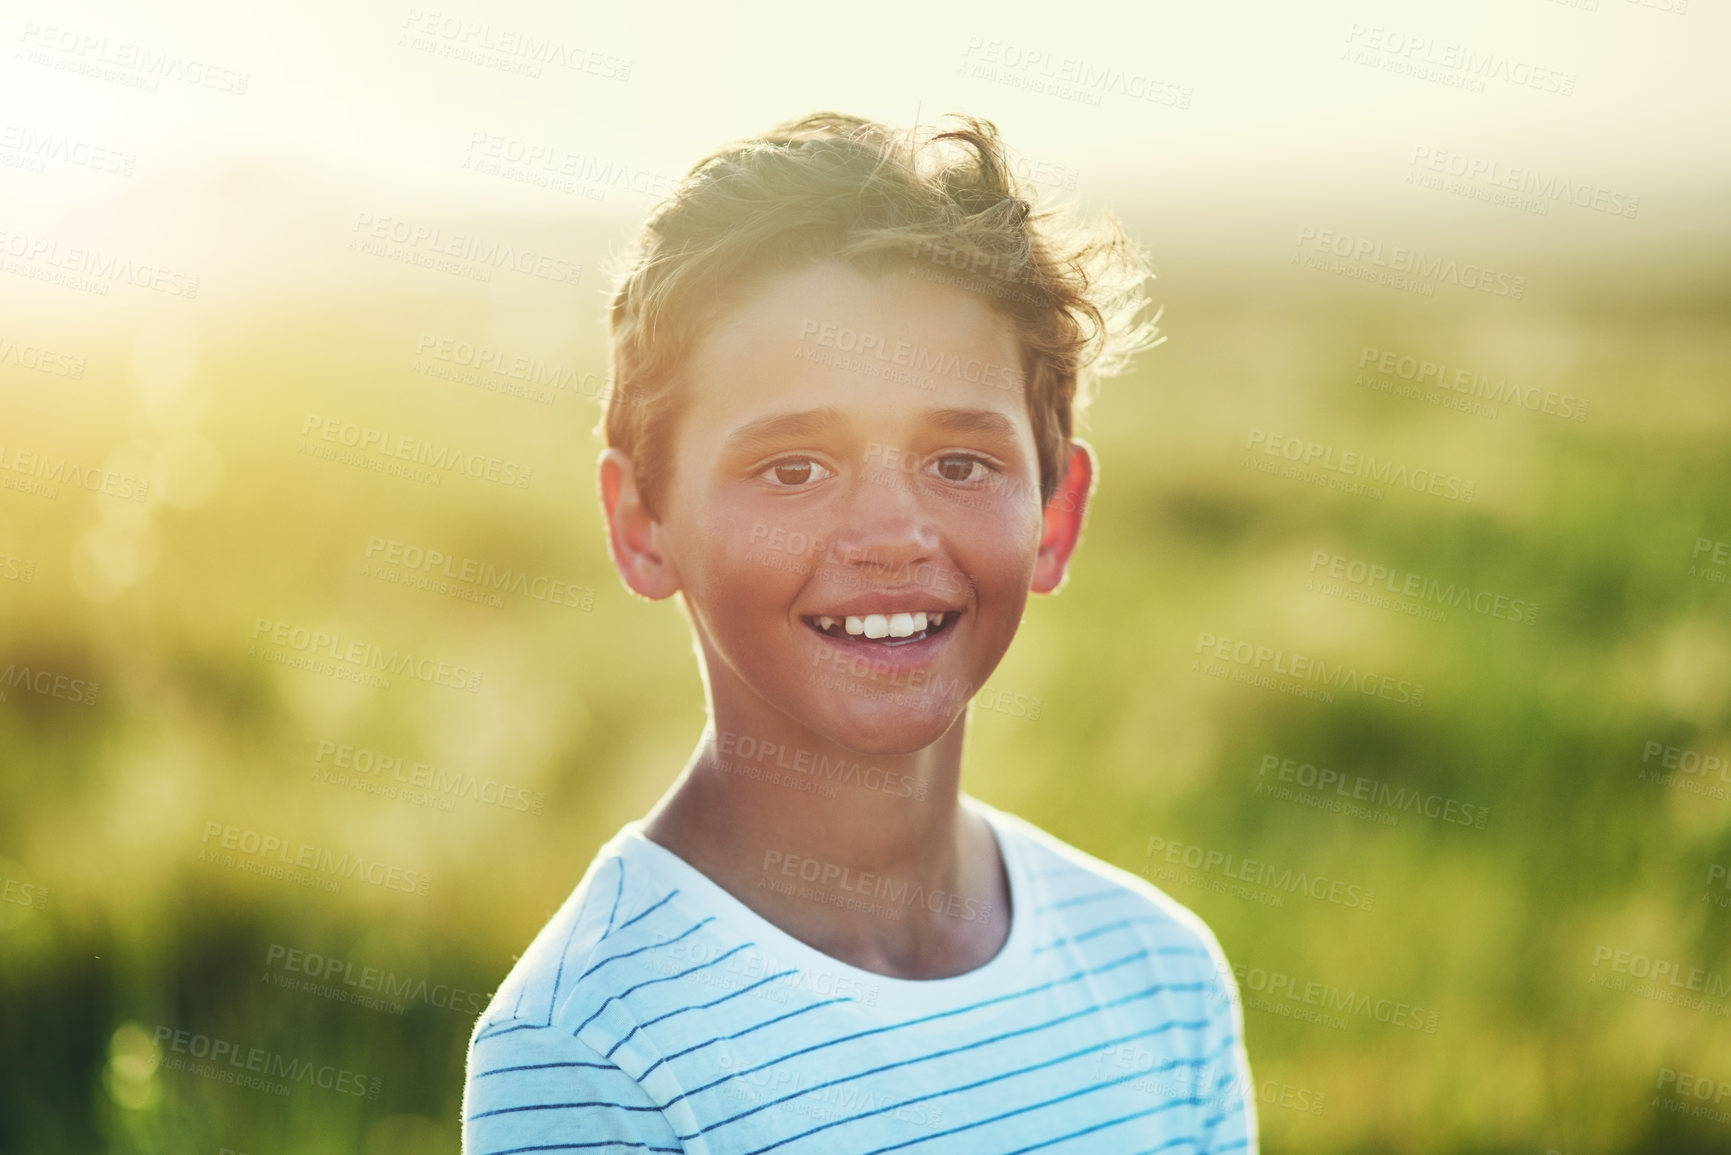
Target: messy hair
x=828 y=186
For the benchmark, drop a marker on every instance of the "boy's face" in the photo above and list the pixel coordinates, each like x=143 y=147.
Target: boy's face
x=854 y=453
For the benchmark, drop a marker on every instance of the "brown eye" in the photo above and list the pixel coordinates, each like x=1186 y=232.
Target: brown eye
x=795 y=473
x=958 y=468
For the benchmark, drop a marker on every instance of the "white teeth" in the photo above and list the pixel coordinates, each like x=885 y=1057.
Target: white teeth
x=875 y=626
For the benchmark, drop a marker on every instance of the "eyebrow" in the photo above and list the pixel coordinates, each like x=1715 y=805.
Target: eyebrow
x=767 y=432
x=986 y=422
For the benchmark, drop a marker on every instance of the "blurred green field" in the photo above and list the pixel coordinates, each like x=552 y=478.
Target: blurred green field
x=1489 y=935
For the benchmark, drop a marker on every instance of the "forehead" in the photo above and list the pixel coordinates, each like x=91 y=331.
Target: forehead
x=832 y=336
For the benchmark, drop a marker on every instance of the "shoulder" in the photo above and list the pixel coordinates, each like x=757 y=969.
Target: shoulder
x=532 y=1077
x=622 y=906
x=1087 y=896
x=531 y=1087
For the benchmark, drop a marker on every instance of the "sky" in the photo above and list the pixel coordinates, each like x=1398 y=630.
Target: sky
x=265 y=120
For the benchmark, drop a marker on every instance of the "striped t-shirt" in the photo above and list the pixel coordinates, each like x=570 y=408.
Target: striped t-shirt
x=656 y=1012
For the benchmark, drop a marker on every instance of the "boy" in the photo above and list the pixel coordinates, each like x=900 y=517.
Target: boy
x=846 y=366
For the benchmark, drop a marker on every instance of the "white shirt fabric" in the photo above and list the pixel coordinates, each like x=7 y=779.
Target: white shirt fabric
x=656 y=1012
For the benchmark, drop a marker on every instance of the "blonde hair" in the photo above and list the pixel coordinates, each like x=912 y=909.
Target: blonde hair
x=835 y=187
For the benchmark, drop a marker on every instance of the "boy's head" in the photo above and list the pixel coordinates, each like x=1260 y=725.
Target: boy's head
x=840 y=188
x=844 y=367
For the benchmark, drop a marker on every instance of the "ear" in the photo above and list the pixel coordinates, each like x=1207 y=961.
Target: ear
x=1064 y=515
x=633 y=535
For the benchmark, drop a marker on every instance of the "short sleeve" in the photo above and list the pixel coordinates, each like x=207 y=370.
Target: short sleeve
x=536 y=1088
x=1229 y=1125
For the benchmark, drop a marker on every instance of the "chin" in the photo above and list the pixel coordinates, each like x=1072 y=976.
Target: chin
x=890 y=726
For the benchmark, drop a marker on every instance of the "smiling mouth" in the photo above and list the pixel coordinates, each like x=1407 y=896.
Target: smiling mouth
x=885 y=629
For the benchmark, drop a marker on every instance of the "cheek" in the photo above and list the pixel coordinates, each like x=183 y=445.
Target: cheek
x=735 y=565
x=1012 y=574
x=999 y=555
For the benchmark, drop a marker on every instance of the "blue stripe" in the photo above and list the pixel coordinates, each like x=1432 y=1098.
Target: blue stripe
x=699 y=1007
x=925 y=1019
x=544 y=1067
x=1088 y=934
x=565 y=950
x=1012 y=1114
x=560 y=1107
x=973 y=1046
x=586 y=1147
x=641 y=949
x=646 y=911
x=1169 y=1144
x=1113 y=1123
x=618 y=893
x=663 y=979
x=1078 y=900
x=490 y=1033
x=748 y=1030
x=554 y=1002
x=1010 y=1075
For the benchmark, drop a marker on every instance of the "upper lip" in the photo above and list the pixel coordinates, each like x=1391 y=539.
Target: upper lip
x=902 y=602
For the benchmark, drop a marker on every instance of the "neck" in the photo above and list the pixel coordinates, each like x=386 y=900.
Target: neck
x=844 y=850
x=756 y=792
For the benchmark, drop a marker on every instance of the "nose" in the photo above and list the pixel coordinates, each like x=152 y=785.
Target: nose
x=885 y=522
